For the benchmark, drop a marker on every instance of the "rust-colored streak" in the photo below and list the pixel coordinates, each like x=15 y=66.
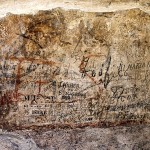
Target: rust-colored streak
x=100 y=124
x=18 y=78
x=18 y=74
x=40 y=61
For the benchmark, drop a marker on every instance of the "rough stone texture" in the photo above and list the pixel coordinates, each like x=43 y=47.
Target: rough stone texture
x=75 y=68
x=118 y=138
x=13 y=141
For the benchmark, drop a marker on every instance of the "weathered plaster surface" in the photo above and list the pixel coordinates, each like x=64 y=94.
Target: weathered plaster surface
x=84 y=65
x=75 y=68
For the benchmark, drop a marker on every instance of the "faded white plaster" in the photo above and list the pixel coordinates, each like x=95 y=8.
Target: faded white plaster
x=32 y=6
